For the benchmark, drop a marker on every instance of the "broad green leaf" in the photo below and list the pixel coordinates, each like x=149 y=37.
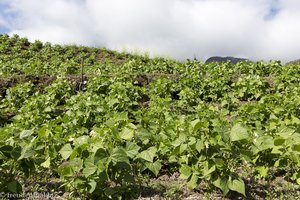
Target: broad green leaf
x=2 y=157
x=76 y=164
x=207 y=171
x=277 y=150
x=93 y=185
x=262 y=143
x=181 y=139
x=65 y=169
x=131 y=125
x=222 y=183
x=238 y=132
x=66 y=151
x=113 y=101
x=43 y=132
x=119 y=155
x=26 y=133
x=295 y=120
x=14 y=187
x=193 y=182
x=101 y=154
x=246 y=154
x=192 y=141
x=27 y=152
x=196 y=125
x=286 y=132
x=173 y=159
x=148 y=154
x=267 y=142
x=102 y=166
x=219 y=162
x=127 y=133
x=296 y=147
x=123 y=116
x=200 y=146
x=48 y=109
x=177 y=142
x=185 y=171
x=89 y=168
x=237 y=185
x=263 y=171
x=154 y=167
x=277 y=163
x=183 y=148
x=46 y=164
x=279 y=141
x=132 y=149
x=6 y=150
x=81 y=140
x=109 y=191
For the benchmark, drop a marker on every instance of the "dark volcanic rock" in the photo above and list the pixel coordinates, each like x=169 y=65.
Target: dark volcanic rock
x=225 y=59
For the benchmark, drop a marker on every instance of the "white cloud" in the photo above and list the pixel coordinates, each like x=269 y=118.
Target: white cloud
x=179 y=28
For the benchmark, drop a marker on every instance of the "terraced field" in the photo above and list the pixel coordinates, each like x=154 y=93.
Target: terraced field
x=81 y=122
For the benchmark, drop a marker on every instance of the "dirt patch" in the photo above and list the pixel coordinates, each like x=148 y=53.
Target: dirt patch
x=141 y=80
x=104 y=56
x=6 y=83
x=39 y=81
x=3 y=87
x=78 y=81
x=6 y=118
x=145 y=79
x=77 y=78
x=173 y=187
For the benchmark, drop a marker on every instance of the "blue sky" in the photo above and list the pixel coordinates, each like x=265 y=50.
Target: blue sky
x=274 y=9
x=3 y=29
x=256 y=29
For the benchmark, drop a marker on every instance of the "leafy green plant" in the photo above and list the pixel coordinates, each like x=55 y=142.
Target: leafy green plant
x=219 y=124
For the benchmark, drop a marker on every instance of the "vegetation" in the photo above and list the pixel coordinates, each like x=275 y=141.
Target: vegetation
x=110 y=131
x=294 y=62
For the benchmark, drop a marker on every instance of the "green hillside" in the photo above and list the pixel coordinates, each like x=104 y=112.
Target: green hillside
x=294 y=62
x=82 y=122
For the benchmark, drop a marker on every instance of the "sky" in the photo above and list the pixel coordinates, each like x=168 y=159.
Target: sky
x=180 y=29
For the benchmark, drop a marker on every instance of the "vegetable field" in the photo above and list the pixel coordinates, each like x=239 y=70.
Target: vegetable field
x=99 y=124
